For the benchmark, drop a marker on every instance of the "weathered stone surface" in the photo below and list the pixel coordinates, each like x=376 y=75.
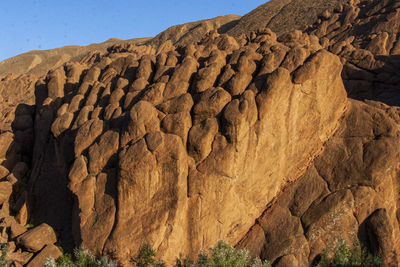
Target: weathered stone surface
x=6 y=140
x=100 y=153
x=201 y=137
x=49 y=251
x=56 y=83
x=140 y=125
x=62 y=123
x=342 y=213
x=5 y=191
x=87 y=134
x=3 y=172
x=38 y=237
x=380 y=235
x=211 y=103
x=19 y=257
x=78 y=172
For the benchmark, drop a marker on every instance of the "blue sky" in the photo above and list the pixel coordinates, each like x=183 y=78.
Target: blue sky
x=44 y=24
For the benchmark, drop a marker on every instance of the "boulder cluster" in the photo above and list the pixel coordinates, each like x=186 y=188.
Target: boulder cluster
x=161 y=147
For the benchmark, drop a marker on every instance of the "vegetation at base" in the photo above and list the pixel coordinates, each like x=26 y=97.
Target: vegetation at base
x=82 y=258
x=222 y=255
x=3 y=257
x=146 y=257
x=347 y=257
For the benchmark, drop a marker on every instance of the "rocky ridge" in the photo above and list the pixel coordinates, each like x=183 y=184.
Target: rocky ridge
x=39 y=62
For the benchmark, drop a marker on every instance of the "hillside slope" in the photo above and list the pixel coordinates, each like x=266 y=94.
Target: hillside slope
x=284 y=15
x=39 y=62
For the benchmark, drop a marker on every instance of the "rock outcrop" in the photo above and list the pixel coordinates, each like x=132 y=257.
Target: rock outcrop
x=181 y=160
x=349 y=192
x=283 y=16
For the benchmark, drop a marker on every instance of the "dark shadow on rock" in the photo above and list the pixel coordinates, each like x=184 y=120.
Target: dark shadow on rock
x=381 y=84
x=227 y=26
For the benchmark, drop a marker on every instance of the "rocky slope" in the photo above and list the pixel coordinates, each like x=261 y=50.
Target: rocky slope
x=282 y=16
x=249 y=139
x=41 y=61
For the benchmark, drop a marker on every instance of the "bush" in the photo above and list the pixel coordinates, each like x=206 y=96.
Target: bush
x=223 y=255
x=346 y=257
x=83 y=258
x=3 y=258
x=146 y=257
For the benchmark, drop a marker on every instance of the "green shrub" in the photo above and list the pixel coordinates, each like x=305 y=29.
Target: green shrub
x=346 y=257
x=223 y=255
x=146 y=257
x=3 y=257
x=83 y=258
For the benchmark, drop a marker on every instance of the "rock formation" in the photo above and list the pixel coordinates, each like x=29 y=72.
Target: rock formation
x=252 y=140
x=166 y=162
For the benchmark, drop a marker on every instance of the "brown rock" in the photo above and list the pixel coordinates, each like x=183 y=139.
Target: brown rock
x=22 y=122
x=78 y=171
x=183 y=103
x=17 y=229
x=211 y=103
x=185 y=70
x=3 y=172
x=201 y=137
x=62 y=123
x=139 y=125
x=239 y=83
x=178 y=124
x=100 y=153
x=49 y=251
x=226 y=75
x=294 y=58
x=288 y=261
x=253 y=241
x=153 y=140
x=206 y=77
x=20 y=257
x=87 y=134
x=380 y=235
x=139 y=84
x=154 y=93
x=20 y=170
x=283 y=235
x=38 y=237
x=6 y=140
x=92 y=75
x=334 y=215
x=5 y=191
x=145 y=68
x=304 y=72
x=56 y=83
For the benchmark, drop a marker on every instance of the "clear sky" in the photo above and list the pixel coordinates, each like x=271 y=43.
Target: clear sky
x=44 y=24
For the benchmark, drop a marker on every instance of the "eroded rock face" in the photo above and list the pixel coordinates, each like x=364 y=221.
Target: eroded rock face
x=349 y=192
x=365 y=34
x=184 y=160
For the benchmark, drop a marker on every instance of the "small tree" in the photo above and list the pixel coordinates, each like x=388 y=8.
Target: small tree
x=146 y=257
x=358 y=256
